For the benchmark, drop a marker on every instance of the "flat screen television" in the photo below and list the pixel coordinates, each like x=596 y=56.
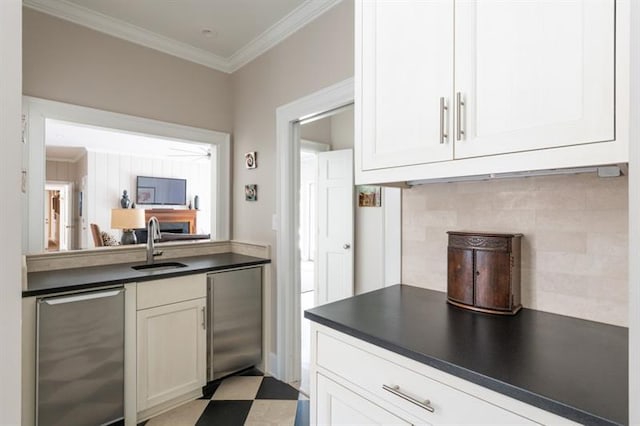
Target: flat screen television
x=161 y=191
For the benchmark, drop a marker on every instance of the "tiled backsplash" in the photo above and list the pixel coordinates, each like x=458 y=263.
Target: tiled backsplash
x=574 y=249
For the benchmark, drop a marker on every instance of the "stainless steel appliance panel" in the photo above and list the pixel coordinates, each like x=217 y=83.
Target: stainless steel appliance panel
x=80 y=359
x=235 y=321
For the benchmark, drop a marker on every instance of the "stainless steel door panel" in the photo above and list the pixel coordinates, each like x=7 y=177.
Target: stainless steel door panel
x=80 y=359
x=235 y=303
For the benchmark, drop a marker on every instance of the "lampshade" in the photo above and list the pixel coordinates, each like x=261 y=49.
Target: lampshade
x=127 y=218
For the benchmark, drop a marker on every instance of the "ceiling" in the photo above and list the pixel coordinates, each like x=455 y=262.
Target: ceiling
x=69 y=141
x=221 y=34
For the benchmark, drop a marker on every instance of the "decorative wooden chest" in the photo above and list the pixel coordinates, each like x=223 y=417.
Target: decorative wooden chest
x=484 y=272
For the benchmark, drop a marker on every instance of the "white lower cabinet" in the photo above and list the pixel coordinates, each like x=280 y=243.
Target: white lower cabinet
x=354 y=382
x=338 y=405
x=171 y=342
x=171 y=351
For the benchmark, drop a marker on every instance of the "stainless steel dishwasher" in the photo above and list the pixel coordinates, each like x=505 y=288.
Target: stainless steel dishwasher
x=234 y=301
x=80 y=358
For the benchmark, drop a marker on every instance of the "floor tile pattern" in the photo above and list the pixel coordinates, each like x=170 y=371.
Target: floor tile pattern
x=248 y=398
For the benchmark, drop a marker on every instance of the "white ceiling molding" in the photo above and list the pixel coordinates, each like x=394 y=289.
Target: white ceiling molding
x=282 y=29
x=288 y=25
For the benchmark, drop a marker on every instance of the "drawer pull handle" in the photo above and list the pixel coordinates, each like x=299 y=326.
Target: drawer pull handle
x=426 y=404
x=444 y=110
x=460 y=103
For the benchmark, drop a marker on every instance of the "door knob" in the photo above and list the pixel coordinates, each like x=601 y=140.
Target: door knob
x=346 y=246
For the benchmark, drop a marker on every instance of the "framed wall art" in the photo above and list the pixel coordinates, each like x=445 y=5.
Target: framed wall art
x=251 y=160
x=251 y=192
x=369 y=196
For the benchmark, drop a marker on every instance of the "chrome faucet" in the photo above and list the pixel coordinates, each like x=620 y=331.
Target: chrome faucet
x=153 y=234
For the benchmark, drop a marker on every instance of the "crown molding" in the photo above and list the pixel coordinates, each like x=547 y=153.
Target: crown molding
x=298 y=18
x=97 y=21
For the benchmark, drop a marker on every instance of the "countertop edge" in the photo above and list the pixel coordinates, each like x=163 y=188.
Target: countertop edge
x=149 y=277
x=496 y=385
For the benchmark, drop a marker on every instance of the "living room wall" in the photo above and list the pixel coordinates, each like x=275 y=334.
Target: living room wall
x=110 y=173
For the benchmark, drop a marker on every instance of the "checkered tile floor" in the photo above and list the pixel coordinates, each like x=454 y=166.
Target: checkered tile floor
x=248 y=398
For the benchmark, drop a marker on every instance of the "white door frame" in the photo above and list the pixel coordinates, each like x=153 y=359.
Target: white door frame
x=287 y=361
x=38 y=110
x=287 y=206
x=10 y=215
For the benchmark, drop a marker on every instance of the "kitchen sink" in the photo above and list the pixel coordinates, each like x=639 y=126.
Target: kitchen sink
x=159 y=266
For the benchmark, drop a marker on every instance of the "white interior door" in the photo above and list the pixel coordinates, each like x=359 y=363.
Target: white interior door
x=533 y=74
x=66 y=217
x=82 y=212
x=334 y=257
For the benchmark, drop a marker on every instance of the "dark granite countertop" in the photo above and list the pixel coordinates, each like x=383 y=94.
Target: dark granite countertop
x=575 y=368
x=48 y=282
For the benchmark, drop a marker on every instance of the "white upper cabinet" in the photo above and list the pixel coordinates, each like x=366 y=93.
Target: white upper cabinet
x=533 y=74
x=448 y=88
x=406 y=78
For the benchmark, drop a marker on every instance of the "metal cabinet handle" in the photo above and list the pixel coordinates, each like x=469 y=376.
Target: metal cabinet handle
x=204 y=318
x=426 y=404
x=459 y=105
x=346 y=246
x=443 y=110
x=81 y=297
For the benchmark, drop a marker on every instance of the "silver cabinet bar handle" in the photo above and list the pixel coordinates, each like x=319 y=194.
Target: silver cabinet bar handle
x=459 y=105
x=443 y=109
x=81 y=297
x=204 y=318
x=426 y=404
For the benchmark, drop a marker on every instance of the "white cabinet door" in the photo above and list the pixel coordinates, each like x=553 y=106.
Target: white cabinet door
x=338 y=405
x=533 y=74
x=171 y=351
x=404 y=67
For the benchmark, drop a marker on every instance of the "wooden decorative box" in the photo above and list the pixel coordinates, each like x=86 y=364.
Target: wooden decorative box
x=484 y=272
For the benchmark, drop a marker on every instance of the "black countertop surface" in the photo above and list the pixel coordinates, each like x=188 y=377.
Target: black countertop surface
x=48 y=282
x=575 y=368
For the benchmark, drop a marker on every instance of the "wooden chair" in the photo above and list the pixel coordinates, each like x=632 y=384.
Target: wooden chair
x=97 y=238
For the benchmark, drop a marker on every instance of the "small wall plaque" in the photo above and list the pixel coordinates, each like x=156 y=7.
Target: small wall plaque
x=251 y=192
x=251 y=160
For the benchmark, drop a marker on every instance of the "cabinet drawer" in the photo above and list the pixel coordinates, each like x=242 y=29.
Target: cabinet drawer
x=370 y=373
x=171 y=290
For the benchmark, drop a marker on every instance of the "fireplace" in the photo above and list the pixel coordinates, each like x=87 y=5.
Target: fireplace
x=175 y=227
x=168 y=217
x=172 y=221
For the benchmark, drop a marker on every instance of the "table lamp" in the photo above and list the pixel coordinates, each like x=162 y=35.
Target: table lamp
x=127 y=220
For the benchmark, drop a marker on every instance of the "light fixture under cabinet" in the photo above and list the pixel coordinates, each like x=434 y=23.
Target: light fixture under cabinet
x=602 y=171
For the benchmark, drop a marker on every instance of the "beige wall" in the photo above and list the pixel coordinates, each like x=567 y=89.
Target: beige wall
x=317 y=56
x=574 y=250
x=62 y=171
x=342 y=129
x=73 y=64
x=317 y=131
x=335 y=130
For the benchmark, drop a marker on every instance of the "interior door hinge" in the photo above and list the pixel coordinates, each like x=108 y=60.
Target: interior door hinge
x=24 y=128
x=23 y=184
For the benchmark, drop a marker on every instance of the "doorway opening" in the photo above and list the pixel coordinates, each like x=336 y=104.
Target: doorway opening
x=57 y=223
x=101 y=163
x=290 y=125
x=308 y=238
